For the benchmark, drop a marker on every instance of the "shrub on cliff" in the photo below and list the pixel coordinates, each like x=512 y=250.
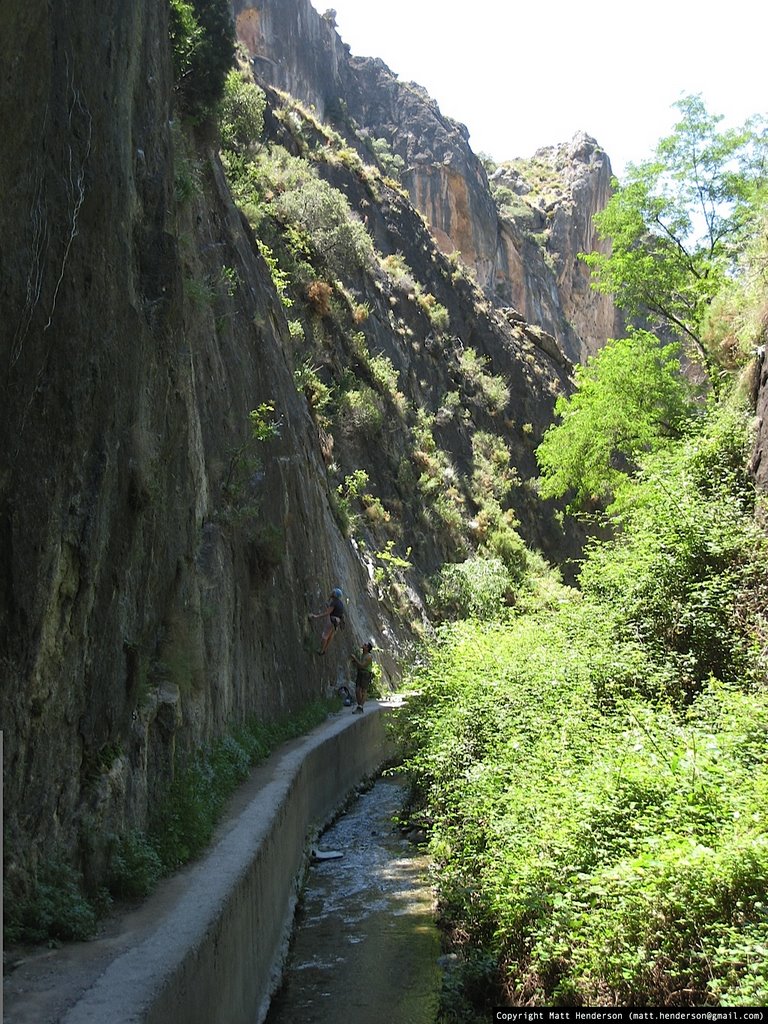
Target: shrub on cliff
x=241 y=114
x=203 y=40
x=333 y=231
x=477 y=587
x=286 y=201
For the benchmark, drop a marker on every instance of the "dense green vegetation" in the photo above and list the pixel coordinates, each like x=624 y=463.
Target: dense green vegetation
x=203 y=43
x=594 y=767
x=630 y=398
x=592 y=763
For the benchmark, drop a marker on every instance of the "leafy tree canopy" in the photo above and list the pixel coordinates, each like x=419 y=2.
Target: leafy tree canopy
x=679 y=221
x=630 y=398
x=241 y=114
x=203 y=40
x=685 y=555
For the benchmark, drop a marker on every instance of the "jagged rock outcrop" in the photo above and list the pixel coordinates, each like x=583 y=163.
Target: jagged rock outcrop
x=296 y=49
x=299 y=51
x=538 y=269
x=444 y=178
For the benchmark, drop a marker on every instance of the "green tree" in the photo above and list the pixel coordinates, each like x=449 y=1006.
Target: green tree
x=737 y=320
x=630 y=398
x=203 y=40
x=677 y=224
x=241 y=114
x=685 y=563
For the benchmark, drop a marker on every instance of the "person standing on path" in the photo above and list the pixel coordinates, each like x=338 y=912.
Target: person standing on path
x=364 y=675
x=335 y=614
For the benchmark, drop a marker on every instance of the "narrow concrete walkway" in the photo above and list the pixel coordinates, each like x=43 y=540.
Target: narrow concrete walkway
x=207 y=947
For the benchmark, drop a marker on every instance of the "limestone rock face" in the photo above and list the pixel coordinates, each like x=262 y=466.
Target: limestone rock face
x=156 y=570
x=298 y=50
x=295 y=49
x=444 y=178
x=538 y=269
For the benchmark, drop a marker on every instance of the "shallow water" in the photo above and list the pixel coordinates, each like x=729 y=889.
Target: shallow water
x=365 y=947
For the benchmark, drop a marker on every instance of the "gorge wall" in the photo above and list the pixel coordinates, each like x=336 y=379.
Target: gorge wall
x=529 y=262
x=157 y=566
x=138 y=615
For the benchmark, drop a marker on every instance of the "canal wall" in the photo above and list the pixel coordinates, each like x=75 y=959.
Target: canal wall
x=216 y=955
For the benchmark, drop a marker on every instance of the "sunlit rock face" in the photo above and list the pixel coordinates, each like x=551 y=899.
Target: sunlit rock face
x=529 y=262
x=538 y=268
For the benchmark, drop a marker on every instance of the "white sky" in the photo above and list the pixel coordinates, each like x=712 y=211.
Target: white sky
x=525 y=75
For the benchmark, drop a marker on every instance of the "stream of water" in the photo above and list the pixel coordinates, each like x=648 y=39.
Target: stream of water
x=365 y=947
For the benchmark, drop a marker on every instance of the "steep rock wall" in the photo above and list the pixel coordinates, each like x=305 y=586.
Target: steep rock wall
x=156 y=568
x=446 y=181
x=538 y=270
x=156 y=579
x=297 y=50
x=427 y=361
x=157 y=564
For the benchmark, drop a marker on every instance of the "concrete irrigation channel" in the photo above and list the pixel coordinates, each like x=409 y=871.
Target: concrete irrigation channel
x=365 y=948
x=208 y=947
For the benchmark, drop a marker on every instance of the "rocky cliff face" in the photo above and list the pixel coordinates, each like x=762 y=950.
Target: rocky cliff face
x=541 y=233
x=527 y=260
x=140 y=611
x=157 y=562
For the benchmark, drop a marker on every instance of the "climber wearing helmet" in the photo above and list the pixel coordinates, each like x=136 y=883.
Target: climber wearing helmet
x=364 y=675
x=335 y=615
